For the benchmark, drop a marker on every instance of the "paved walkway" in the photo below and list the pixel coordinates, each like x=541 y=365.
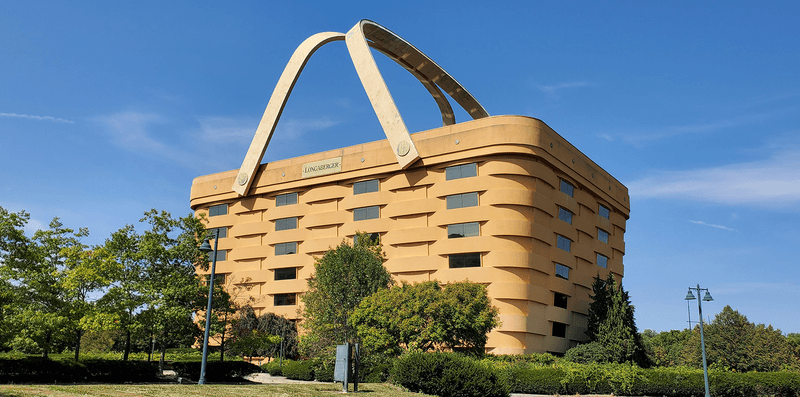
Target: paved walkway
x=263 y=377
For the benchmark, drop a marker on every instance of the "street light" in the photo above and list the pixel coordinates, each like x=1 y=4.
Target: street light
x=707 y=298
x=207 y=248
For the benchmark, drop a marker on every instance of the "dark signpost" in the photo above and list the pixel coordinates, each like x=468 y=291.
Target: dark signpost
x=344 y=363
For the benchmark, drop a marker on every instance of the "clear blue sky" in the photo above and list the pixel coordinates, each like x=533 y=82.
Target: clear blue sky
x=108 y=109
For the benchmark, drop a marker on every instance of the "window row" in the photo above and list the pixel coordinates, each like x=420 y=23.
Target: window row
x=568 y=189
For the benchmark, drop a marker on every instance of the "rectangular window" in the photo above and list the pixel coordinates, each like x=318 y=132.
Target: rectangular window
x=216 y=210
x=567 y=188
x=285 y=299
x=221 y=255
x=462 y=200
x=604 y=211
x=286 y=248
x=463 y=230
x=366 y=186
x=461 y=171
x=360 y=214
x=602 y=235
x=219 y=279
x=289 y=273
x=562 y=271
x=565 y=215
x=286 y=224
x=465 y=260
x=560 y=330
x=285 y=199
x=563 y=242
x=602 y=261
x=373 y=237
x=223 y=232
x=559 y=300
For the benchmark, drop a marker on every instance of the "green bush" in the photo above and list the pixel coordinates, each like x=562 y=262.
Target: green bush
x=117 y=371
x=216 y=371
x=447 y=374
x=541 y=380
x=533 y=358
x=323 y=369
x=587 y=353
x=299 y=370
x=41 y=370
x=274 y=367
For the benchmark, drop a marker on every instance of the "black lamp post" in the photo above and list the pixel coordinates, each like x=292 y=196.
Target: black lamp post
x=207 y=248
x=707 y=298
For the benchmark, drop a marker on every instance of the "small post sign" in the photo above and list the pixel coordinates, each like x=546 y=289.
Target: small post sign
x=342 y=370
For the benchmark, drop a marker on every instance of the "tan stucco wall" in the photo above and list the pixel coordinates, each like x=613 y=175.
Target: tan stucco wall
x=520 y=161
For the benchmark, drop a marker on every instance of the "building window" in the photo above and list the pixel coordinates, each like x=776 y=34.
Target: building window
x=559 y=300
x=567 y=188
x=461 y=171
x=465 y=260
x=563 y=242
x=289 y=273
x=462 y=200
x=285 y=299
x=560 y=330
x=221 y=255
x=219 y=279
x=216 y=210
x=286 y=224
x=286 y=248
x=285 y=199
x=604 y=211
x=602 y=261
x=373 y=237
x=223 y=232
x=602 y=235
x=562 y=271
x=365 y=186
x=565 y=215
x=360 y=214
x=463 y=230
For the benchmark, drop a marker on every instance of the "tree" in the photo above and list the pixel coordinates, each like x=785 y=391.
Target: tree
x=611 y=322
x=734 y=342
x=343 y=277
x=425 y=316
x=251 y=335
x=665 y=349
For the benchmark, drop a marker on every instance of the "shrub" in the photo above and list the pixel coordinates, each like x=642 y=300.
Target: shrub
x=40 y=370
x=274 y=367
x=447 y=374
x=116 y=371
x=299 y=370
x=593 y=352
x=216 y=371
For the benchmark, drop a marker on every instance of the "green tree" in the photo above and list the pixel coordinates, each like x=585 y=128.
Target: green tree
x=665 y=349
x=343 y=277
x=611 y=322
x=250 y=334
x=425 y=316
x=794 y=342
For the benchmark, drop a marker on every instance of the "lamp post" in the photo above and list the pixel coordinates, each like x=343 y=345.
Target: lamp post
x=207 y=248
x=707 y=297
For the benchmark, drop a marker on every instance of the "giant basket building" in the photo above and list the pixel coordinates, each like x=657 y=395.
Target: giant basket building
x=504 y=201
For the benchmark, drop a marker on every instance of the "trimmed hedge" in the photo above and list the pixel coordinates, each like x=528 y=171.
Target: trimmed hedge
x=448 y=374
x=216 y=371
x=42 y=370
x=299 y=370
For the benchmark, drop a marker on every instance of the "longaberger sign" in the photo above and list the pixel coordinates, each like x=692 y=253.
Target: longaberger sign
x=322 y=167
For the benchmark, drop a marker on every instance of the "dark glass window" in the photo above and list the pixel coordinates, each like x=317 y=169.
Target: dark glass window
x=563 y=242
x=565 y=215
x=219 y=279
x=602 y=235
x=567 y=188
x=216 y=210
x=562 y=271
x=286 y=248
x=285 y=199
x=463 y=230
x=360 y=214
x=372 y=236
x=223 y=232
x=286 y=224
x=461 y=171
x=366 y=186
x=221 y=255
x=465 y=260
x=559 y=300
x=560 y=330
x=604 y=211
x=602 y=261
x=285 y=299
x=289 y=273
x=462 y=200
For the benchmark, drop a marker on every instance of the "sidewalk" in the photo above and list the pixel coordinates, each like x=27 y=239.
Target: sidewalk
x=263 y=377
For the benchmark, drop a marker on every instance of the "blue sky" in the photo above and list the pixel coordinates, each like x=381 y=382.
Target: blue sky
x=108 y=109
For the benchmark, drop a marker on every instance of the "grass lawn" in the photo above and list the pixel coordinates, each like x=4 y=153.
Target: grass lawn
x=172 y=390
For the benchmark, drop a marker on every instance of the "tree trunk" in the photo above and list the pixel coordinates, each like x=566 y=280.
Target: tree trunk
x=78 y=334
x=46 y=349
x=128 y=345
x=161 y=359
x=222 y=342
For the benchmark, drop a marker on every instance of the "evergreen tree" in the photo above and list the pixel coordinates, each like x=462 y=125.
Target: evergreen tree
x=611 y=322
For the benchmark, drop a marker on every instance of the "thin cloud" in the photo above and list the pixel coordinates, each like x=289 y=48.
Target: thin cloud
x=774 y=182
x=227 y=130
x=550 y=89
x=33 y=117
x=713 y=225
x=293 y=129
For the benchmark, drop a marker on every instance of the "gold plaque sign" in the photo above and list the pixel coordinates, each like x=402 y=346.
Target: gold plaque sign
x=322 y=167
